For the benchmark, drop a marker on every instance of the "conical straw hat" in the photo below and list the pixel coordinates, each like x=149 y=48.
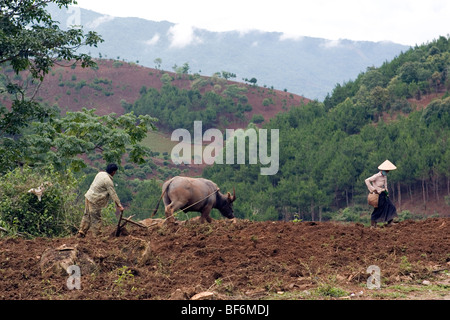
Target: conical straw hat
x=387 y=166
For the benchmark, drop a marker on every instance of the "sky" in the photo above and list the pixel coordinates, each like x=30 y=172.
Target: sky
x=407 y=22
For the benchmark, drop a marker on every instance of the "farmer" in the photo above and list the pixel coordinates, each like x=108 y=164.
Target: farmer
x=96 y=198
x=386 y=211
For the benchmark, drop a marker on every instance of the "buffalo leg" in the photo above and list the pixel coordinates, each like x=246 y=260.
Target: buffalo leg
x=170 y=210
x=205 y=217
x=169 y=213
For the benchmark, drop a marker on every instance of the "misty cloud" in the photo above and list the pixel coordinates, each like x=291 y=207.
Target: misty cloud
x=331 y=44
x=182 y=35
x=97 y=22
x=294 y=37
x=153 y=40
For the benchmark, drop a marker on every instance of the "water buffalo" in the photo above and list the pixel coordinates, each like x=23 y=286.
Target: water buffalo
x=195 y=194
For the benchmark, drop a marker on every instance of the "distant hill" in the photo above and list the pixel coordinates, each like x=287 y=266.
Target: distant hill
x=310 y=67
x=114 y=84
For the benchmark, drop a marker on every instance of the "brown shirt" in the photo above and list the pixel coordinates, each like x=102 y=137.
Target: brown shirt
x=101 y=190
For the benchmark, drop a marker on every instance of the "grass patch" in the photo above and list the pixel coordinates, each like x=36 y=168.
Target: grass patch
x=328 y=290
x=158 y=142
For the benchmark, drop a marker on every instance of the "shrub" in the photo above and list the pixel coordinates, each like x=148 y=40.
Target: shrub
x=352 y=214
x=330 y=291
x=257 y=118
x=22 y=212
x=407 y=215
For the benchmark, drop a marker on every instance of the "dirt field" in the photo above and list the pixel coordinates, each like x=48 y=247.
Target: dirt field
x=243 y=260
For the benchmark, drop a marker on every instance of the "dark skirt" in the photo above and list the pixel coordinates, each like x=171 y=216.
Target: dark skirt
x=386 y=210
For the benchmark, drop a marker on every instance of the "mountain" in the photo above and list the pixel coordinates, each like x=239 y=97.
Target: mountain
x=114 y=85
x=306 y=66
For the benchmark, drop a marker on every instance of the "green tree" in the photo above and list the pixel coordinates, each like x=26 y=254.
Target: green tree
x=373 y=78
x=257 y=118
x=166 y=79
x=228 y=75
x=62 y=140
x=253 y=81
x=379 y=98
x=396 y=88
x=157 y=62
x=31 y=41
x=349 y=117
x=34 y=134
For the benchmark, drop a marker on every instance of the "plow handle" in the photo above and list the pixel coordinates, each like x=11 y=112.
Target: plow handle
x=118 y=224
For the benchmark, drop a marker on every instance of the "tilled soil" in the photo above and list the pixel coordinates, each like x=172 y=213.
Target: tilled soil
x=241 y=260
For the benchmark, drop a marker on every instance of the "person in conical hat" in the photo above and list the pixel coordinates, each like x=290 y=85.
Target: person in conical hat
x=386 y=211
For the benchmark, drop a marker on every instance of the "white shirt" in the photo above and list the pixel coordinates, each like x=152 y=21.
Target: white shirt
x=377 y=182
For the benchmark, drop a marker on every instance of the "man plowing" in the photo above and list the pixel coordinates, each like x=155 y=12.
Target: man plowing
x=96 y=198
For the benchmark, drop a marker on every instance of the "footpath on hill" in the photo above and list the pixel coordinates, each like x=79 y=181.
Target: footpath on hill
x=241 y=260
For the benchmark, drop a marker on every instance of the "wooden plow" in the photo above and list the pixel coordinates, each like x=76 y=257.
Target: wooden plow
x=120 y=226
